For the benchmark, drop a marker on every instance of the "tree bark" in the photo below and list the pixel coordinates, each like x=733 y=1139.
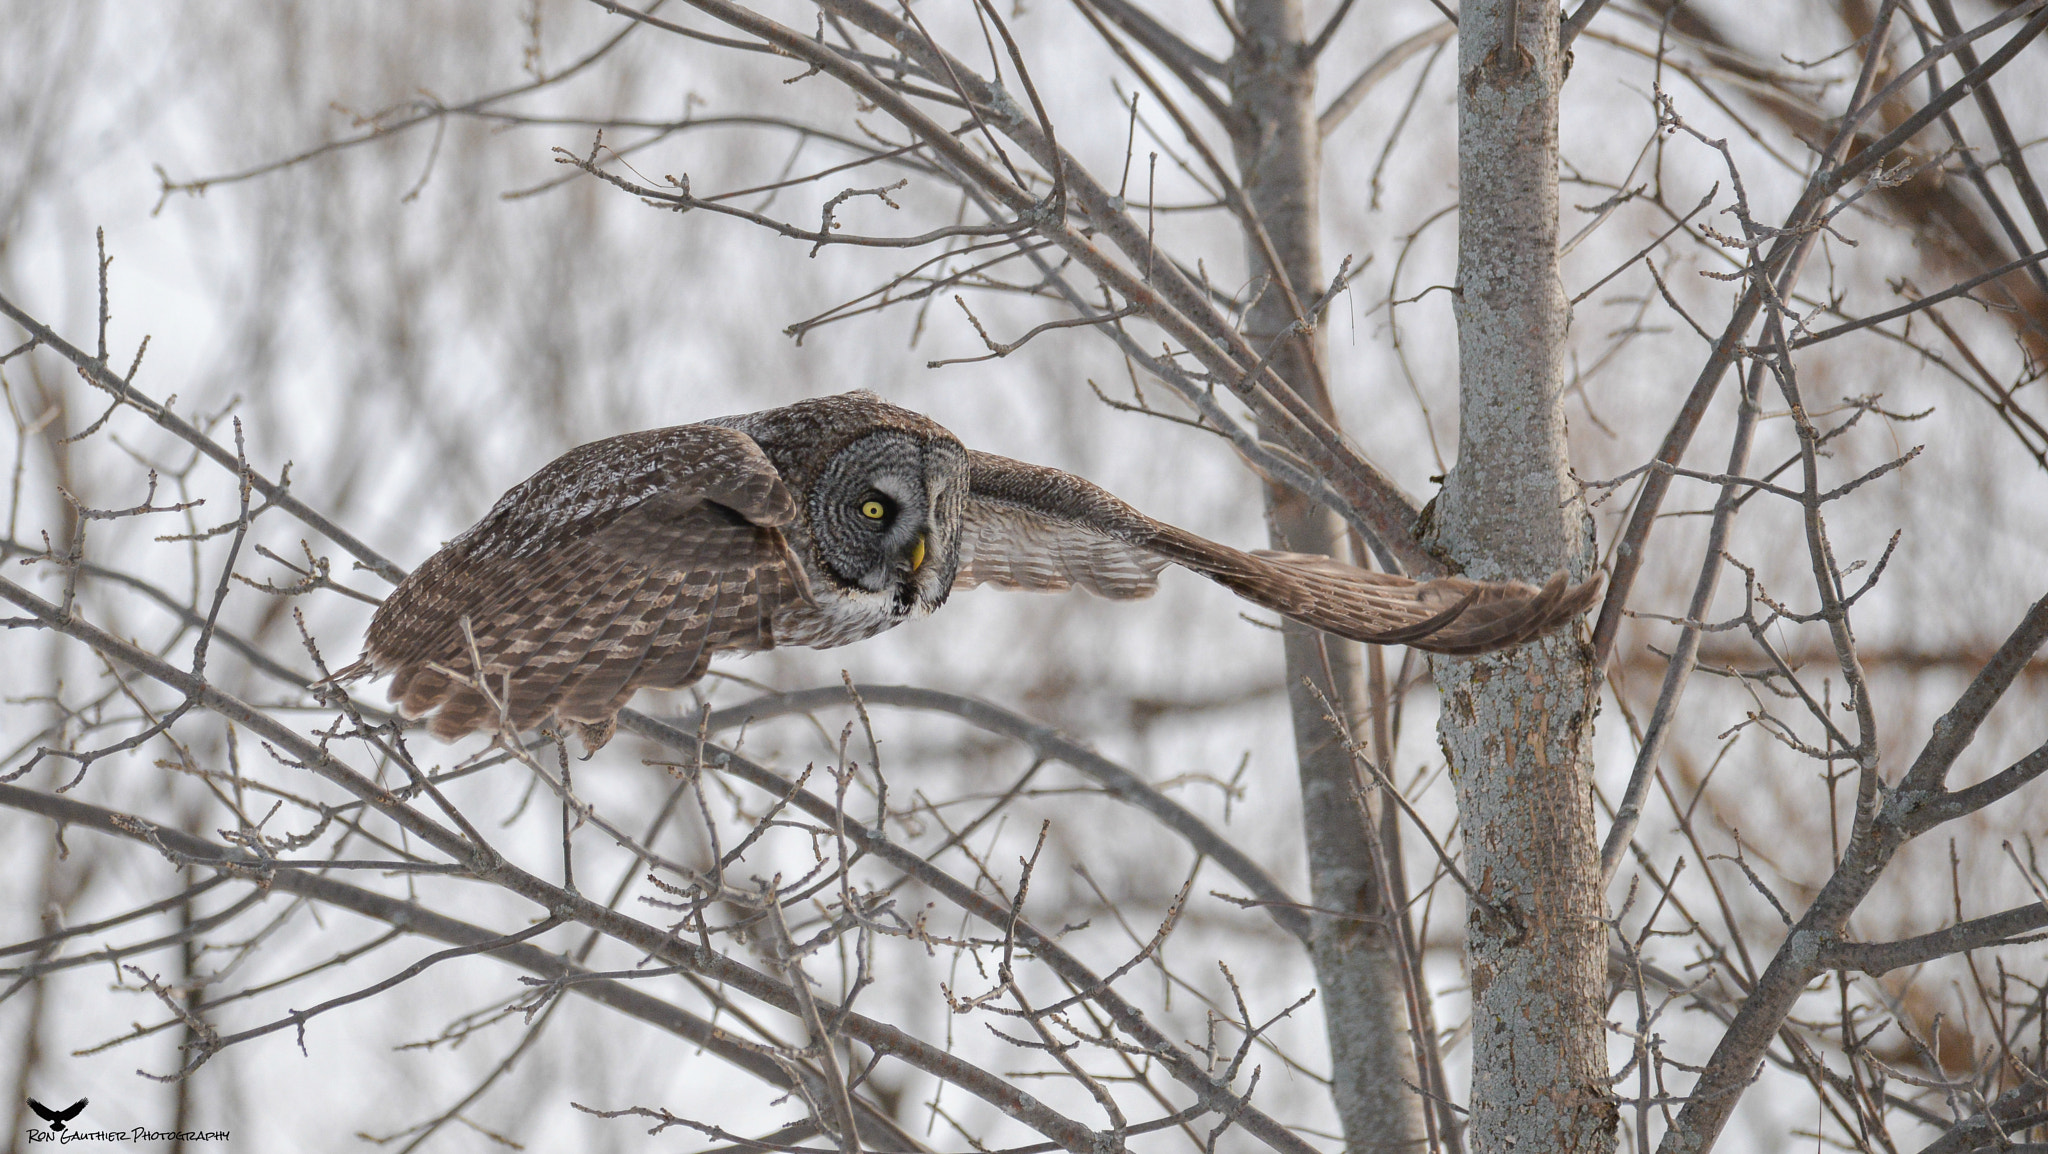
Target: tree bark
x=1359 y=969
x=1517 y=725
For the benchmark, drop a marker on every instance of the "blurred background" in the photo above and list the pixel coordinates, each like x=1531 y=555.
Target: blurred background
x=417 y=319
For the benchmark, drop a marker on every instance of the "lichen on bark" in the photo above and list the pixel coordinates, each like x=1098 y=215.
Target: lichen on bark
x=1516 y=727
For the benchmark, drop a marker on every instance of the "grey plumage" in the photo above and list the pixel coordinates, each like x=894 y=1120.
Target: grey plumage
x=628 y=562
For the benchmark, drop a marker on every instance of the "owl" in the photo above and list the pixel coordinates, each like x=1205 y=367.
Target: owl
x=627 y=563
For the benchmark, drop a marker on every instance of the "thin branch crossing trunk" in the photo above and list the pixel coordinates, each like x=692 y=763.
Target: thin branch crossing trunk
x=1357 y=952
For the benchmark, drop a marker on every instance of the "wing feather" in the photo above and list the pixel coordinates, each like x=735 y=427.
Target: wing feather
x=1031 y=527
x=622 y=565
x=1013 y=548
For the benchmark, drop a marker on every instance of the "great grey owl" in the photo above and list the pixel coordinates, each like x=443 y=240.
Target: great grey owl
x=628 y=562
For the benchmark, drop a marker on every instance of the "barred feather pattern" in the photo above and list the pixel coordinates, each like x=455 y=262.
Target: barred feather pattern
x=628 y=563
x=1046 y=530
x=1040 y=528
x=623 y=564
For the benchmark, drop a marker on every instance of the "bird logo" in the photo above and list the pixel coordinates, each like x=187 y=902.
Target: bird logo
x=57 y=1118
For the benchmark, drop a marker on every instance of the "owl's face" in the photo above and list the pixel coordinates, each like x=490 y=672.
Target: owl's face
x=885 y=519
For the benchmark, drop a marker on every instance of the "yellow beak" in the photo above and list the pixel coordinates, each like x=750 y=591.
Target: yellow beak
x=917 y=554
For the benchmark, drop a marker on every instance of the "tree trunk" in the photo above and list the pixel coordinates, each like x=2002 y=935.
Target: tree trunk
x=1357 y=958
x=1517 y=726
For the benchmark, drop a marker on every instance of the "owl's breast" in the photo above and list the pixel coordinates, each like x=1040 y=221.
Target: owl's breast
x=841 y=617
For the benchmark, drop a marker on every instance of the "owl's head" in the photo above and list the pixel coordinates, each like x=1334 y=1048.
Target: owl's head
x=885 y=517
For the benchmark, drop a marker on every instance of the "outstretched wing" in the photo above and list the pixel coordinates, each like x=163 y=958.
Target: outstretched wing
x=1039 y=529
x=623 y=564
x=1030 y=527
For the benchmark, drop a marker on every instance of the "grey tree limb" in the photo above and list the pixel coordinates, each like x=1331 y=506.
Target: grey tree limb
x=1346 y=102
x=1168 y=297
x=1190 y=65
x=879 y=1131
x=1798 y=960
x=97 y=374
x=1989 y=1128
x=1685 y=653
x=1181 y=1064
x=2007 y=927
x=1046 y=741
x=1354 y=942
x=1830 y=176
x=485 y=864
x=1517 y=726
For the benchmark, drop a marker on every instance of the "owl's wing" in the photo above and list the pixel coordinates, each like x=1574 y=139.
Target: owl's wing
x=1030 y=527
x=623 y=564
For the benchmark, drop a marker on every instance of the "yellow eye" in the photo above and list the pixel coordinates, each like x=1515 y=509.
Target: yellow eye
x=873 y=510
